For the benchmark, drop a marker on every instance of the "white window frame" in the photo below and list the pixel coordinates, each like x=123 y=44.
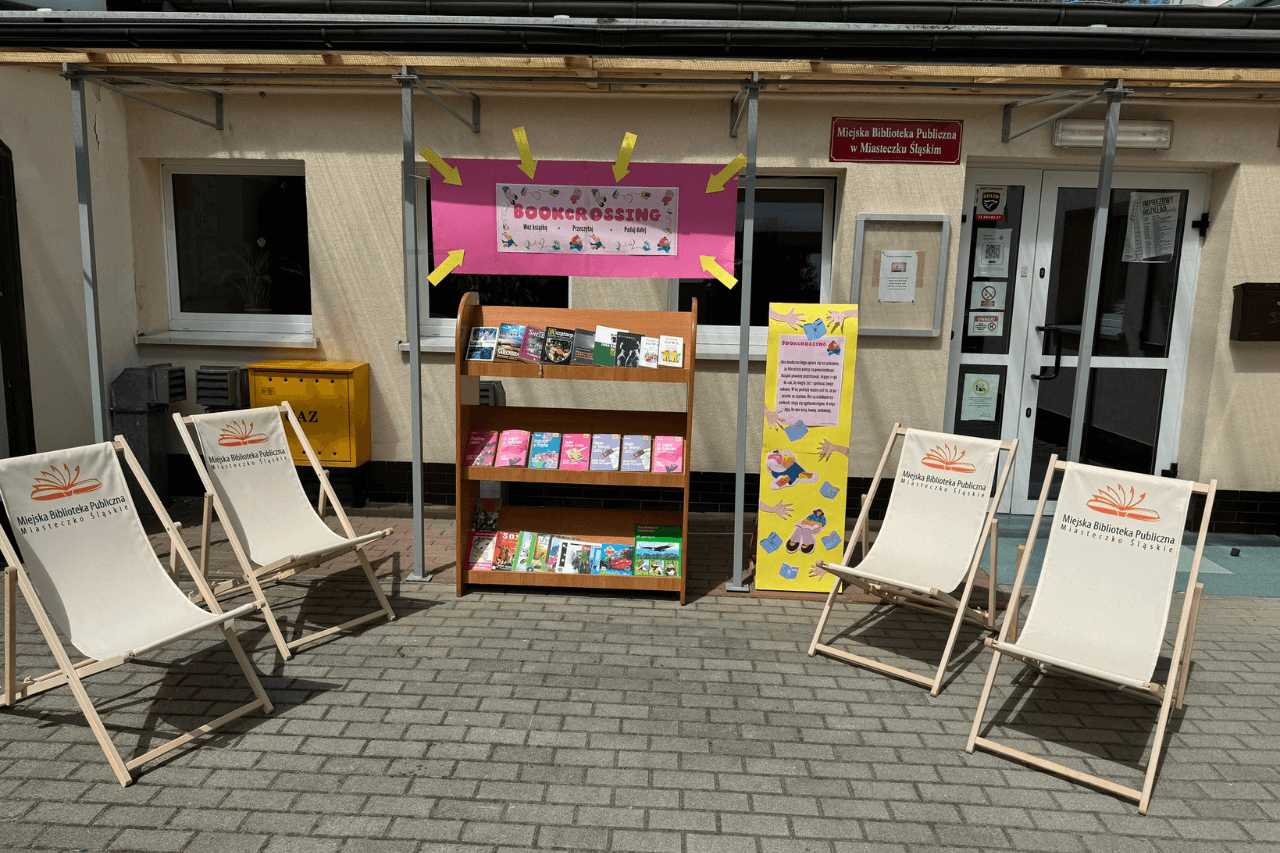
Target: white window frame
x=264 y=325
x=724 y=342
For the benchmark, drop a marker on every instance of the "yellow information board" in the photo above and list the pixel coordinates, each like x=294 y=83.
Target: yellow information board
x=804 y=458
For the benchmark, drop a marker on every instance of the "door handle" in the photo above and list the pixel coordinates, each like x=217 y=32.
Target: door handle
x=1055 y=333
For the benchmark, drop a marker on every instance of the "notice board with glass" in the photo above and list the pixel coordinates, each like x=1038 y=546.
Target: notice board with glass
x=899 y=273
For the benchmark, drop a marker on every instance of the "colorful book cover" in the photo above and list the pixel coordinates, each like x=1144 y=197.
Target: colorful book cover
x=657 y=551
x=486 y=514
x=574 y=556
x=544 y=450
x=671 y=351
x=481 y=345
x=613 y=559
x=480 y=557
x=524 y=551
x=531 y=349
x=603 y=353
x=575 y=451
x=482 y=448
x=584 y=346
x=541 y=553
x=668 y=454
x=513 y=449
x=648 y=352
x=605 y=448
x=510 y=339
x=637 y=452
x=504 y=550
x=626 y=347
x=557 y=346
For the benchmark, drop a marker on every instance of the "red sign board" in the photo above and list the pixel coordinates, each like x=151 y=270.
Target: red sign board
x=885 y=140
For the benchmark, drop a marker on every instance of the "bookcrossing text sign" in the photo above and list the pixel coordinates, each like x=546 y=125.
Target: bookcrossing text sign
x=804 y=464
x=883 y=140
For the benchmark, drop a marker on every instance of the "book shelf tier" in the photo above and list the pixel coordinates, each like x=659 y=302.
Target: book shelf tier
x=574 y=371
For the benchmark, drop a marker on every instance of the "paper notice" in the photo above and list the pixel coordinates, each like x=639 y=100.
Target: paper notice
x=987 y=295
x=898 y=276
x=991 y=253
x=981 y=391
x=1152 y=227
x=986 y=325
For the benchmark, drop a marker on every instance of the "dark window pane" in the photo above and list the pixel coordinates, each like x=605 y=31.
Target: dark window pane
x=241 y=243
x=535 y=291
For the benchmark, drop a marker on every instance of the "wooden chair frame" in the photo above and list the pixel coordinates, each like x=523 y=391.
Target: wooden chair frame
x=937 y=602
x=73 y=674
x=1161 y=694
x=285 y=567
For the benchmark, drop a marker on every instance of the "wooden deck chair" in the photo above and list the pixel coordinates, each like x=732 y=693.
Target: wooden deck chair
x=251 y=482
x=91 y=574
x=1101 y=605
x=940 y=514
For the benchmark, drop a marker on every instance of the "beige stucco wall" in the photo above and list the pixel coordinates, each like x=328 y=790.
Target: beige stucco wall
x=350 y=147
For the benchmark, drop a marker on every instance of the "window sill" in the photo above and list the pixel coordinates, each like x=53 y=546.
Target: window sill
x=290 y=340
x=434 y=343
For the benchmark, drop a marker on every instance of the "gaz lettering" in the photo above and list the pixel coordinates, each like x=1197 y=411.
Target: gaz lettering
x=308 y=417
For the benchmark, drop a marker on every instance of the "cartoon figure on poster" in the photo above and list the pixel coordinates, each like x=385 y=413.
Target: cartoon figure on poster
x=804 y=452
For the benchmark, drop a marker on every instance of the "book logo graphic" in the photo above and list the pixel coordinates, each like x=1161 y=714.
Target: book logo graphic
x=53 y=485
x=240 y=433
x=947 y=458
x=1114 y=501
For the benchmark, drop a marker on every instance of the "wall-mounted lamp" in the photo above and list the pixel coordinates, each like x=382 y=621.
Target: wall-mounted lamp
x=1087 y=133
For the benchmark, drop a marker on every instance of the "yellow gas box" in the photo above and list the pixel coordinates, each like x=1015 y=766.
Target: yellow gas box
x=331 y=399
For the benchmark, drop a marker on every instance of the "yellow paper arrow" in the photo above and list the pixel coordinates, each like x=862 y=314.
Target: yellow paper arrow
x=442 y=166
x=451 y=263
x=528 y=165
x=722 y=275
x=620 y=169
x=717 y=181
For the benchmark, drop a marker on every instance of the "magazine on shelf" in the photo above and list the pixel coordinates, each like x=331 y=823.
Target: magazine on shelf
x=657 y=551
x=671 y=351
x=482 y=447
x=668 y=454
x=481 y=344
x=541 y=549
x=513 y=449
x=605 y=450
x=510 y=339
x=575 y=451
x=524 y=551
x=504 y=550
x=637 y=452
x=531 y=349
x=557 y=346
x=627 y=349
x=613 y=558
x=544 y=450
x=604 y=351
x=575 y=556
x=486 y=514
x=648 y=351
x=480 y=555
x=584 y=345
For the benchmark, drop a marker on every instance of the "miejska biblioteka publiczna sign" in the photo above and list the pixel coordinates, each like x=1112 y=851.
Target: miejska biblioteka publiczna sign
x=882 y=140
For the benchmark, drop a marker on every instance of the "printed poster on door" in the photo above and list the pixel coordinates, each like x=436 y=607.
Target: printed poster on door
x=1152 y=227
x=804 y=459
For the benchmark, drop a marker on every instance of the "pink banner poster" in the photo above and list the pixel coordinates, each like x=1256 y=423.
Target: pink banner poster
x=574 y=219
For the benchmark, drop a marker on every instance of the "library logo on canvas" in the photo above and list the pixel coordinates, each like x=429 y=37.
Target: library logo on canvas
x=1115 y=501
x=53 y=485
x=946 y=457
x=239 y=434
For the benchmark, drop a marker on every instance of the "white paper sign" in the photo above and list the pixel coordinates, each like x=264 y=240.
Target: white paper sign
x=987 y=295
x=898 y=276
x=979 y=396
x=810 y=376
x=544 y=219
x=1152 y=227
x=986 y=325
x=991 y=252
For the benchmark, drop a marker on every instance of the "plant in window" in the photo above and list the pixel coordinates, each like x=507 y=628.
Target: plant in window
x=249 y=270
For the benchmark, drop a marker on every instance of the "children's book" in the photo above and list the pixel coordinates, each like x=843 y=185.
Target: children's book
x=544 y=450
x=482 y=447
x=613 y=559
x=504 y=550
x=510 y=339
x=584 y=346
x=486 y=514
x=637 y=452
x=575 y=451
x=575 y=557
x=541 y=553
x=648 y=351
x=627 y=349
x=671 y=351
x=605 y=448
x=668 y=454
x=555 y=552
x=513 y=449
x=657 y=551
x=557 y=346
x=531 y=349
x=605 y=342
x=480 y=557
x=524 y=551
x=481 y=345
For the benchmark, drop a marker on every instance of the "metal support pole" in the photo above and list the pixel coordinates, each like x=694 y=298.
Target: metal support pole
x=88 y=258
x=413 y=315
x=744 y=330
x=1102 y=209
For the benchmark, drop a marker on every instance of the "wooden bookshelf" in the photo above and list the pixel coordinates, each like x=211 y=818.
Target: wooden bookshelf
x=597 y=525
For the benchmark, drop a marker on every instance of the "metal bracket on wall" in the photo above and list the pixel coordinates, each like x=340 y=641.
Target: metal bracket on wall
x=95 y=76
x=1006 y=134
x=420 y=83
x=738 y=106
